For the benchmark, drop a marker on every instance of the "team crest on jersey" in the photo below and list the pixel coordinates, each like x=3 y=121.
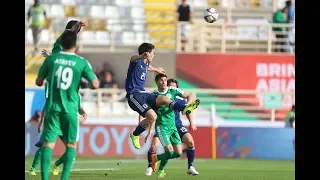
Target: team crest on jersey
x=169 y=96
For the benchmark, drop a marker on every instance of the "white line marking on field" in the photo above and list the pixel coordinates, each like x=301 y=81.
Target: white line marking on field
x=93 y=169
x=121 y=161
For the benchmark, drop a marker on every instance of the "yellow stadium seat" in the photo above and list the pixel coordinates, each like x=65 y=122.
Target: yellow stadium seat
x=255 y=3
x=97 y=25
x=48 y=23
x=160 y=8
x=70 y=11
x=162 y=33
x=214 y=3
x=160 y=1
x=165 y=46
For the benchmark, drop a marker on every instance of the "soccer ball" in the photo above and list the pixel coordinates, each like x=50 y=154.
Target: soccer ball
x=210 y=15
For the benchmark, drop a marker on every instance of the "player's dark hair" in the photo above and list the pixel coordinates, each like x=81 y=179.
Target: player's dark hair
x=145 y=47
x=288 y=3
x=293 y=107
x=69 y=40
x=71 y=24
x=173 y=81
x=159 y=76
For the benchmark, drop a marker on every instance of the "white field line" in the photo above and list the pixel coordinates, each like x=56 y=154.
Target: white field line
x=92 y=169
x=127 y=161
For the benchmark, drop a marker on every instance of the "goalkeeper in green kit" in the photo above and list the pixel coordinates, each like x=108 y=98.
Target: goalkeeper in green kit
x=165 y=127
x=63 y=72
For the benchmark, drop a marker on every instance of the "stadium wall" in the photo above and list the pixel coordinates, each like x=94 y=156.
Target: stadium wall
x=109 y=137
x=119 y=62
x=261 y=72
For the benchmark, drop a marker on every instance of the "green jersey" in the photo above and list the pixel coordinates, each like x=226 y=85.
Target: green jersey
x=166 y=116
x=57 y=47
x=63 y=72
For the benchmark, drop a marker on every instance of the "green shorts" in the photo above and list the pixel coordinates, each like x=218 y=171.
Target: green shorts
x=168 y=135
x=61 y=124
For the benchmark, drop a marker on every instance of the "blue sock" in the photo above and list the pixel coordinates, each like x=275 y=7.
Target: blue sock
x=177 y=105
x=149 y=158
x=139 y=129
x=190 y=155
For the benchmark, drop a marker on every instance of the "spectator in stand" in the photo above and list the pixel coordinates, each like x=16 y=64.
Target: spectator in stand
x=290 y=20
x=184 y=15
x=107 y=80
x=290 y=117
x=279 y=17
x=37 y=13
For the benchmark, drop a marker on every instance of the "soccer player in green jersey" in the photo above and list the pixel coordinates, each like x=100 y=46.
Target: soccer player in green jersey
x=37 y=156
x=165 y=126
x=63 y=72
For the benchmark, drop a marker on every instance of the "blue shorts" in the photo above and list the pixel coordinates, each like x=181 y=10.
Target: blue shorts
x=40 y=143
x=181 y=130
x=141 y=102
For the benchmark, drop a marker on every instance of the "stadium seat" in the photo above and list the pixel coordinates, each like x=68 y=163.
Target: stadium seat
x=68 y=2
x=57 y=11
x=70 y=11
x=160 y=19
x=83 y=11
x=122 y=2
x=45 y=36
x=137 y=12
x=112 y=12
x=97 y=11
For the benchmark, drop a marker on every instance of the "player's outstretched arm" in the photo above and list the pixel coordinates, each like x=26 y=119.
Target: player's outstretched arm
x=78 y=25
x=156 y=69
x=83 y=113
x=135 y=58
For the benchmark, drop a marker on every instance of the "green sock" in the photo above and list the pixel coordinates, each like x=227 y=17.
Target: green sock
x=70 y=156
x=60 y=160
x=37 y=158
x=163 y=163
x=164 y=156
x=46 y=157
x=164 y=159
x=175 y=155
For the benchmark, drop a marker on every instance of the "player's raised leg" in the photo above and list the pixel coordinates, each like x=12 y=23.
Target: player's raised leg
x=153 y=150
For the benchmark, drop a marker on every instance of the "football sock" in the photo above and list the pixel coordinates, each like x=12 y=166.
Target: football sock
x=36 y=159
x=163 y=158
x=70 y=156
x=46 y=156
x=190 y=155
x=139 y=129
x=60 y=160
x=149 y=158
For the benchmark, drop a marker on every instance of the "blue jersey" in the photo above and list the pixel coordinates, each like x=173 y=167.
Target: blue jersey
x=136 y=76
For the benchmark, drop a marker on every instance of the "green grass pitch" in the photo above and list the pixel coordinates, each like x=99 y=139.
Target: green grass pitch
x=133 y=169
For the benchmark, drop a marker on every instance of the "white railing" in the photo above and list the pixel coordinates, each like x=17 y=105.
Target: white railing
x=223 y=37
x=229 y=104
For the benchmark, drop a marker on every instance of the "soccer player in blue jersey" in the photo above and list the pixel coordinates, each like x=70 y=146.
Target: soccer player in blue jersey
x=184 y=134
x=145 y=103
